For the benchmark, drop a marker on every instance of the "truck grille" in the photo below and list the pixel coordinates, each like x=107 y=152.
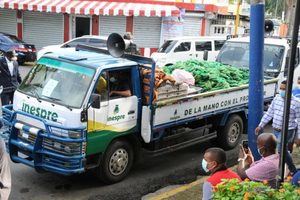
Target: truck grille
x=64 y=148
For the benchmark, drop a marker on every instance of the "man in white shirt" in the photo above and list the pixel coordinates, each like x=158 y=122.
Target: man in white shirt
x=9 y=76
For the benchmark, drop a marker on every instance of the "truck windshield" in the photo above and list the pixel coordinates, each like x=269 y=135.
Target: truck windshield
x=59 y=82
x=237 y=54
x=167 y=46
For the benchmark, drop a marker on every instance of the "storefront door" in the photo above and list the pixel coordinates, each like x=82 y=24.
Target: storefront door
x=82 y=26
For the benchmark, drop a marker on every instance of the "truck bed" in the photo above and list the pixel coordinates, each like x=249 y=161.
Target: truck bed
x=179 y=109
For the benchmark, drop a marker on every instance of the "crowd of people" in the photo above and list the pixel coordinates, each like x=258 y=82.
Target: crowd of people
x=265 y=169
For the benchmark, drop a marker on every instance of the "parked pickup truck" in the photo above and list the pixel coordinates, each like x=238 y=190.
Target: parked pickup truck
x=64 y=119
x=235 y=52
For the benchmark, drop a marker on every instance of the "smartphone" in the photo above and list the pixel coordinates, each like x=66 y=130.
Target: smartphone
x=245 y=146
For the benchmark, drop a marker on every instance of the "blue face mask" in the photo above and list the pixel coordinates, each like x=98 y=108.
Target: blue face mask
x=204 y=165
x=113 y=79
x=260 y=152
x=282 y=93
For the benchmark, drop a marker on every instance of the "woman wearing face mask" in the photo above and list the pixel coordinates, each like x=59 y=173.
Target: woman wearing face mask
x=275 y=112
x=214 y=162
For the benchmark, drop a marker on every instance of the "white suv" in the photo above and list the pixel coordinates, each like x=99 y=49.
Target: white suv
x=185 y=48
x=91 y=40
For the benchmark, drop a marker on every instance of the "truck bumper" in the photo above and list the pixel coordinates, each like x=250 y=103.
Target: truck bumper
x=43 y=149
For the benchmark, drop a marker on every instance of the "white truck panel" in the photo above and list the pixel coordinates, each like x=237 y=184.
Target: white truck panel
x=197 y=105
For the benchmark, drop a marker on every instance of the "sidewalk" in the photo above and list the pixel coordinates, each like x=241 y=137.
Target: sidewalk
x=193 y=191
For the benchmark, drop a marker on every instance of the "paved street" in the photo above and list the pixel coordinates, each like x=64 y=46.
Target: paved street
x=148 y=176
x=153 y=174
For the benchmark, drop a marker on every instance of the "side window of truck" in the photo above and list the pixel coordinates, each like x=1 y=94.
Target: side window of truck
x=219 y=44
x=202 y=46
x=102 y=86
x=120 y=84
x=183 y=46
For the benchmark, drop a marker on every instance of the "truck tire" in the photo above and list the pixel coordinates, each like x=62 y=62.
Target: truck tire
x=229 y=135
x=116 y=162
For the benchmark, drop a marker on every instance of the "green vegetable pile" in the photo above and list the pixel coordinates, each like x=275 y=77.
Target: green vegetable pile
x=212 y=76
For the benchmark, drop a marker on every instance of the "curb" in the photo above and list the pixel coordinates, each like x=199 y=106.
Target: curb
x=165 y=193
x=173 y=191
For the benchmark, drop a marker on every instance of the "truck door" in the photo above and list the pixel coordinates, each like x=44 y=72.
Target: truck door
x=123 y=102
x=181 y=53
x=97 y=117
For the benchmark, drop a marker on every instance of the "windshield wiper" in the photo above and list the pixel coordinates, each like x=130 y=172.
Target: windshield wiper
x=53 y=98
x=35 y=93
x=58 y=100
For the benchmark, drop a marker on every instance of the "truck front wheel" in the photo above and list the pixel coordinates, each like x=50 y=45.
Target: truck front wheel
x=116 y=162
x=229 y=135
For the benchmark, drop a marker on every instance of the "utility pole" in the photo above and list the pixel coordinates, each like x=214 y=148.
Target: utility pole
x=255 y=108
x=276 y=8
x=288 y=91
x=290 y=15
x=237 y=17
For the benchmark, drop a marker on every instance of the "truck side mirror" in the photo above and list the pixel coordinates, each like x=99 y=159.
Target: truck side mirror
x=297 y=57
x=205 y=55
x=287 y=59
x=297 y=60
x=96 y=101
x=286 y=66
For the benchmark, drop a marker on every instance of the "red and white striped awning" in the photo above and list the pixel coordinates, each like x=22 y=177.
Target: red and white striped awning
x=86 y=7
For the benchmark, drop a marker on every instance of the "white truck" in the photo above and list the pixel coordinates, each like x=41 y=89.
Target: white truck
x=186 y=48
x=235 y=52
x=64 y=120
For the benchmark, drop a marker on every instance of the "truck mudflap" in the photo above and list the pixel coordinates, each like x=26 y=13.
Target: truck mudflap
x=46 y=149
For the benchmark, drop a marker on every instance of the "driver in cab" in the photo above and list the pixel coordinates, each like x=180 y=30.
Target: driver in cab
x=119 y=85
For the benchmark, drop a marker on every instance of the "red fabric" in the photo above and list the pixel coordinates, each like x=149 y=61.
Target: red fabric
x=95 y=7
x=217 y=177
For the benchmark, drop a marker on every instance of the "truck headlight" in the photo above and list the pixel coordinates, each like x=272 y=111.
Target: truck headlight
x=74 y=134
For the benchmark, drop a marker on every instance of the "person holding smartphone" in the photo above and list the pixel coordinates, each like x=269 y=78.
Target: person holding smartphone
x=265 y=169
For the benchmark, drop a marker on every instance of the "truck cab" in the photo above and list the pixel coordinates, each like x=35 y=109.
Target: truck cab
x=67 y=111
x=235 y=52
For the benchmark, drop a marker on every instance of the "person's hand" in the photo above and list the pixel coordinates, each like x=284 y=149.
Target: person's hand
x=249 y=159
x=242 y=153
x=111 y=93
x=258 y=130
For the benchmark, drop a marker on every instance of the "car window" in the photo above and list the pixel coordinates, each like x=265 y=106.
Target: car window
x=2 y=40
x=14 y=39
x=184 y=46
x=167 y=46
x=219 y=44
x=97 y=42
x=201 y=46
x=75 y=42
x=5 y=40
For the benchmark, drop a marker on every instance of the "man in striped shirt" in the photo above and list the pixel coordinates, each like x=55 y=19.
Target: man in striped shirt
x=275 y=112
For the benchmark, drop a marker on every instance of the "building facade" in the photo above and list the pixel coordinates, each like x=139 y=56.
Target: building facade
x=50 y=22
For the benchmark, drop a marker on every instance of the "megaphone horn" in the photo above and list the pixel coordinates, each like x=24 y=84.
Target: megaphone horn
x=116 y=45
x=269 y=26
